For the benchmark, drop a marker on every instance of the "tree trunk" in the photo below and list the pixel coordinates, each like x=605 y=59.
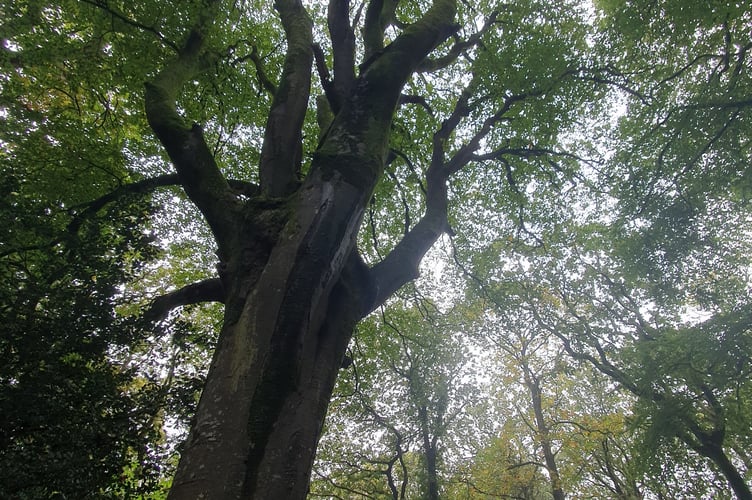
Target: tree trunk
x=732 y=475
x=430 y=454
x=544 y=436
x=294 y=284
x=711 y=446
x=278 y=355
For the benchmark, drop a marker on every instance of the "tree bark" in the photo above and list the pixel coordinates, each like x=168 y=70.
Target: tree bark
x=430 y=453
x=710 y=445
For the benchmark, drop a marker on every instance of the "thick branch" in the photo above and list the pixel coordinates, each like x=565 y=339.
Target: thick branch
x=343 y=50
x=356 y=144
x=366 y=118
x=209 y=290
x=281 y=152
x=413 y=45
x=185 y=145
x=416 y=99
x=379 y=15
x=401 y=264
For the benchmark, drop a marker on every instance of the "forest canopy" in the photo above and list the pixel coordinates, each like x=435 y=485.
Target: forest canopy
x=375 y=249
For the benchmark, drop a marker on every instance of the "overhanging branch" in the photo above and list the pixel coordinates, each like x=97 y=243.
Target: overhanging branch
x=199 y=174
x=139 y=187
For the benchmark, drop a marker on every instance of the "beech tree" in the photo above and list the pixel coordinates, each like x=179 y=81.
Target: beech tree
x=290 y=274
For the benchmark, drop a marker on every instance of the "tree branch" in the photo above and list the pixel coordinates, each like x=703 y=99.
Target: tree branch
x=416 y=99
x=379 y=15
x=459 y=48
x=401 y=264
x=103 y=4
x=281 y=152
x=203 y=182
x=263 y=78
x=343 y=50
x=333 y=98
x=209 y=290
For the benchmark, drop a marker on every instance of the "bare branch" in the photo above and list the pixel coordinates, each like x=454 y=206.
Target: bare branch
x=467 y=152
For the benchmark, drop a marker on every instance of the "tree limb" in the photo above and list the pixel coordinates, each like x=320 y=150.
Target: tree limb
x=199 y=174
x=343 y=50
x=209 y=290
x=138 y=187
x=379 y=15
x=104 y=5
x=459 y=48
x=281 y=152
x=263 y=78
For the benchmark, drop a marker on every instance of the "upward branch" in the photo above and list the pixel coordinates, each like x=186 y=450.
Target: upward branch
x=281 y=153
x=356 y=143
x=343 y=50
x=198 y=172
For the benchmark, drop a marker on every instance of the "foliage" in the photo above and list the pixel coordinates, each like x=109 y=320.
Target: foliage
x=73 y=419
x=403 y=400
x=589 y=163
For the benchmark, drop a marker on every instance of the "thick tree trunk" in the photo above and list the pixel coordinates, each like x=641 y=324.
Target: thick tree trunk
x=294 y=285
x=278 y=355
x=260 y=443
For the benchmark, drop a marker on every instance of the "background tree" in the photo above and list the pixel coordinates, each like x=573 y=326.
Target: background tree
x=402 y=405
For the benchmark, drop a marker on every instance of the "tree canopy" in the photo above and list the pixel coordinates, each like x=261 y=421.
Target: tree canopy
x=218 y=223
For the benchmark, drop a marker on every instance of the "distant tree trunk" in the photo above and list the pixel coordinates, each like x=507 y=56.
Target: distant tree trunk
x=430 y=455
x=710 y=445
x=544 y=434
x=294 y=284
